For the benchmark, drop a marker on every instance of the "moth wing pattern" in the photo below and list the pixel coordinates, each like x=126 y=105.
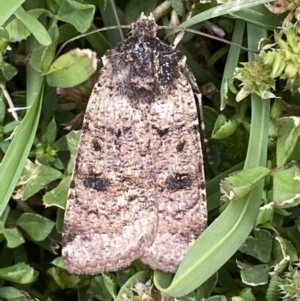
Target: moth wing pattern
x=179 y=173
x=105 y=226
x=138 y=188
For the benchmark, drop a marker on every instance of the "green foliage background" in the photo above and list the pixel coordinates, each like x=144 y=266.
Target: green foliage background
x=250 y=251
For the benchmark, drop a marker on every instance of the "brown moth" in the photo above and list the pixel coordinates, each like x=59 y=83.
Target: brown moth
x=138 y=187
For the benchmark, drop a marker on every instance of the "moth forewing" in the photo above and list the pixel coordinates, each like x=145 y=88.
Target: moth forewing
x=182 y=200
x=138 y=188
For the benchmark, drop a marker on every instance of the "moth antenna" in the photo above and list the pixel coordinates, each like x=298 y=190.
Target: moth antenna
x=89 y=33
x=207 y=35
x=158 y=27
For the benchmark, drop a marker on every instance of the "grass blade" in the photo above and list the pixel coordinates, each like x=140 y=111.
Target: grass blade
x=8 y=8
x=17 y=153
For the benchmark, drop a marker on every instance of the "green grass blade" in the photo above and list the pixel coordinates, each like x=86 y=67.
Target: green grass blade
x=232 y=61
x=15 y=157
x=110 y=17
x=221 y=10
x=8 y=8
x=14 y=160
x=226 y=234
x=260 y=16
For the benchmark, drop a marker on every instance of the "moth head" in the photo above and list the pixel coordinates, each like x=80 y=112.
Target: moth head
x=144 y=26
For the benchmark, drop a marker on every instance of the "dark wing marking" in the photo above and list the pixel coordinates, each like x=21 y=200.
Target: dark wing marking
x=111 y=213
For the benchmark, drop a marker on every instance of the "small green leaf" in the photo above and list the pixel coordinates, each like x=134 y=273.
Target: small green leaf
x=241 y=183
x=19 y=273
x=259 y=245
x=265 y=215
x=284 y=253
x=4 y=37
x=9 y=292
x=8 y=71
x=29 y=184
x=246 y=294
x=58 y=196
x=276 y=109
x=13 y=237
x=78 y=14
x=254 y=275
x=223 y=128
x=10 y=127
x=59 y=262
x=82 y=62
x=64 y=279
x=36 y=226
x=286 y=185
x=289 y=131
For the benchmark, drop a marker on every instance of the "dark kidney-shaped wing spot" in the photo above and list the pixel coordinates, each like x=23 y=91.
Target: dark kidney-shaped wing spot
x=179 y=182
x=96 y=145
x=180 y=146
x=99 y=184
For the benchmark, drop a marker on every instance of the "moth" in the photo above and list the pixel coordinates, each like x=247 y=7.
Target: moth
x=138 y=187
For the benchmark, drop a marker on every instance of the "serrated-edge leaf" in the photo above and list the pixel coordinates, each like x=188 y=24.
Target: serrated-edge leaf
x=17 y=30
x=110 y=285
x=36 y=28
x=19 y=273
x=225 y=130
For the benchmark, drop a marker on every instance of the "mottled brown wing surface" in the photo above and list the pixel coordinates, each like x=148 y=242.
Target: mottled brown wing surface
x=138 y=188
x=179 y=174
x=111 y=213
